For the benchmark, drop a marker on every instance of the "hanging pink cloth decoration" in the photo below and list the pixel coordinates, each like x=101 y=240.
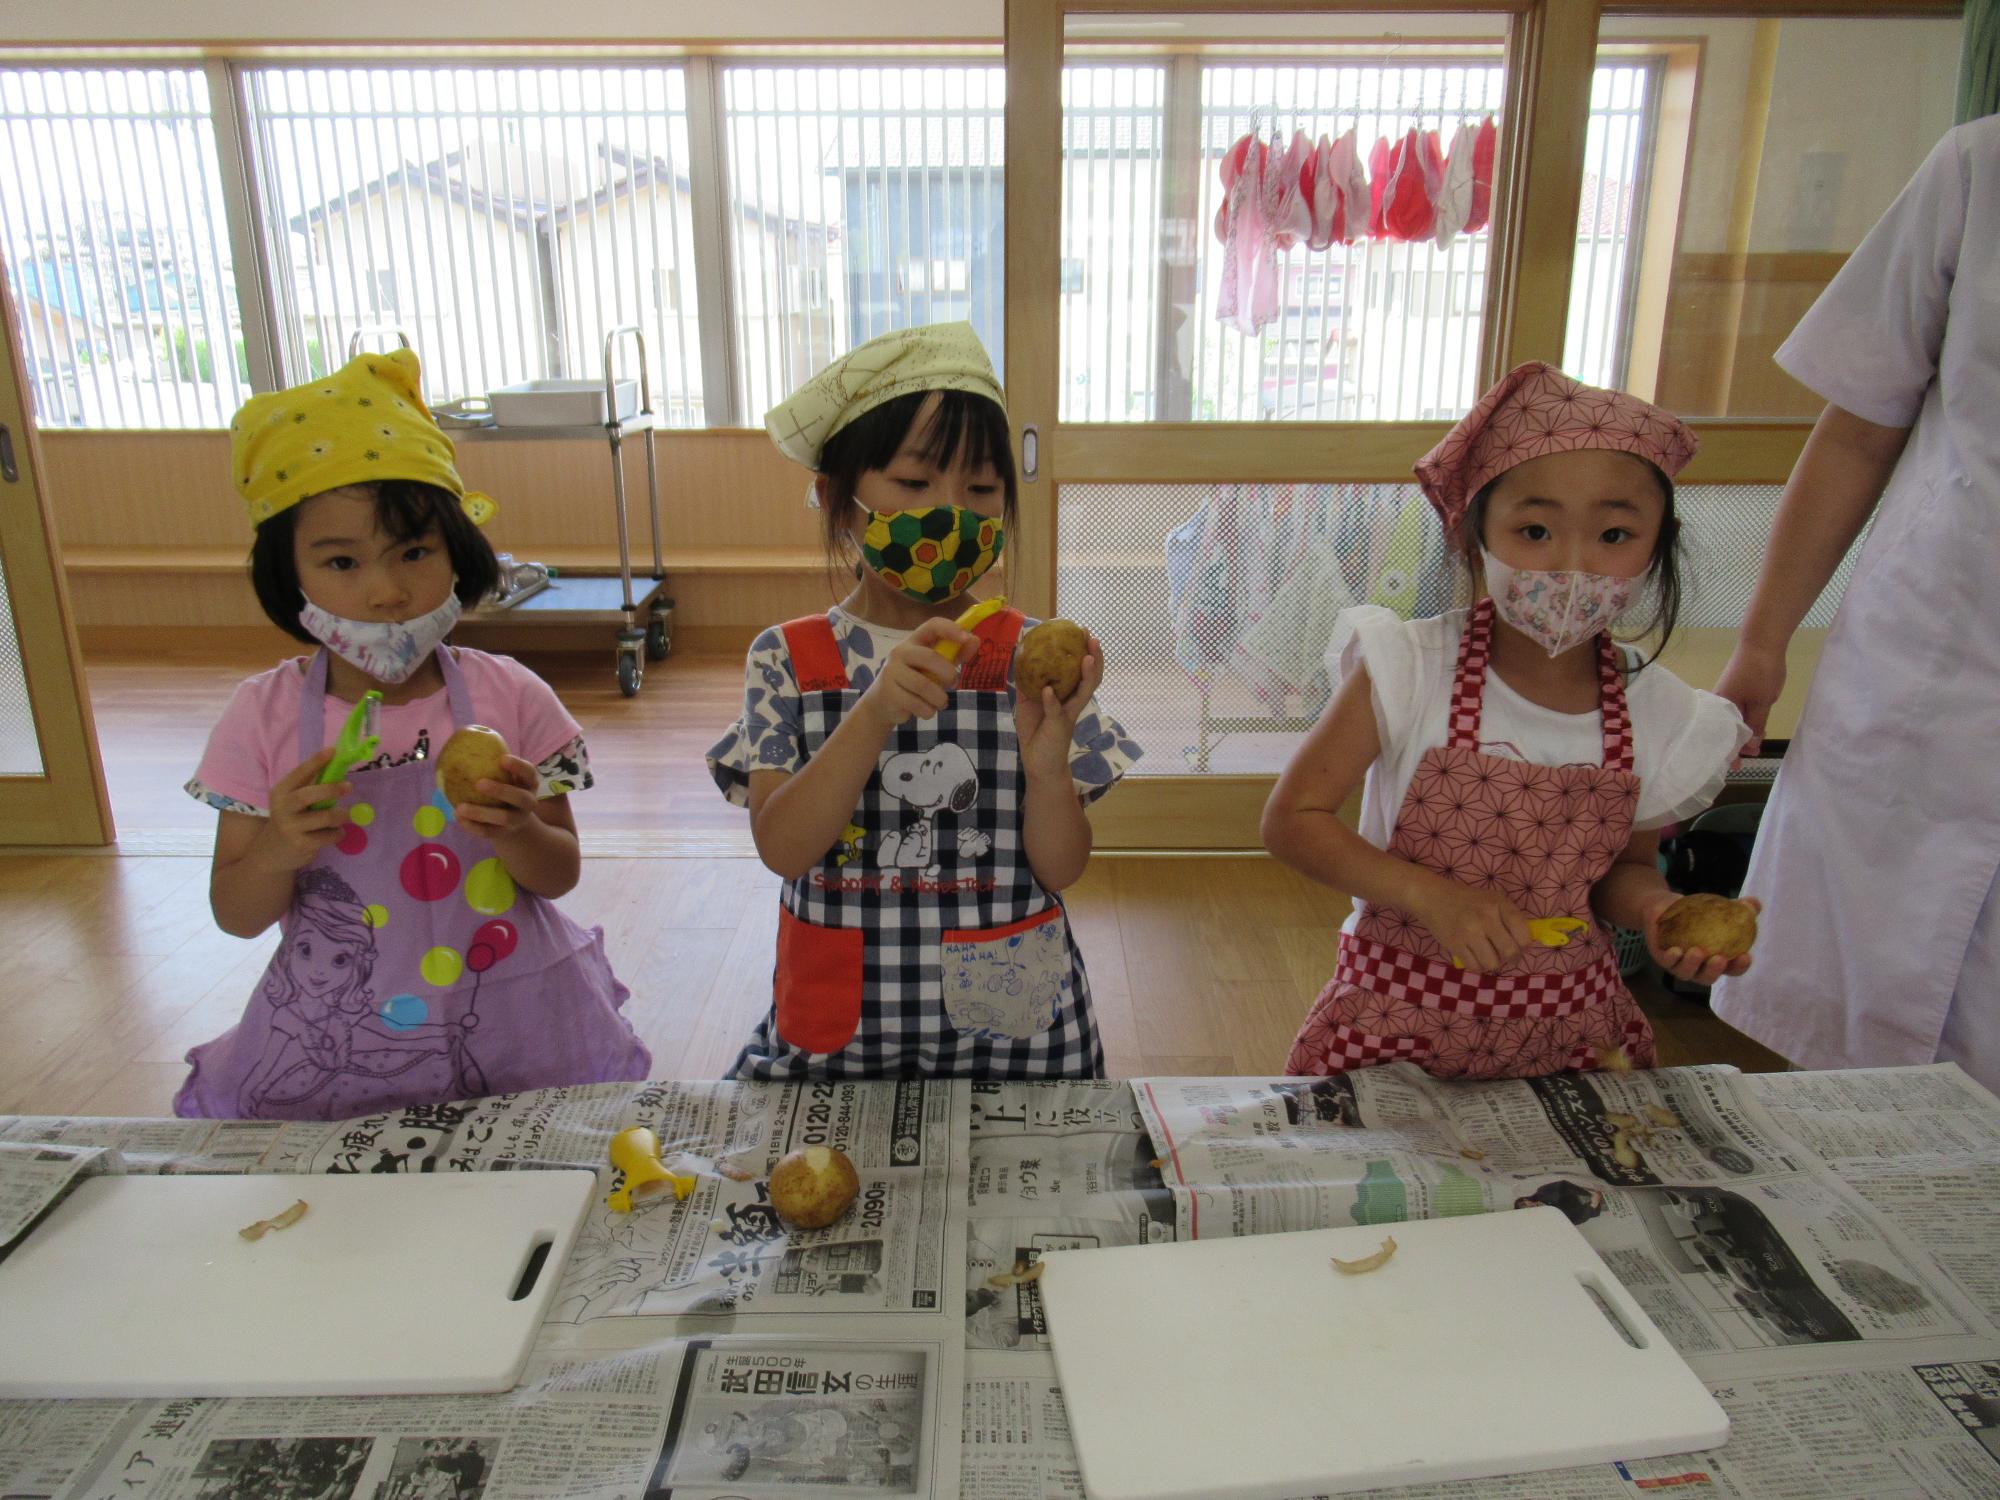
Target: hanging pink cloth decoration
x=1481 y=211
x=1335 y=189
x=1409 y=198
x=1454 y=201
x=1319 y=195
x=1284 y=193
x=1247 y=155
x=1248 y=298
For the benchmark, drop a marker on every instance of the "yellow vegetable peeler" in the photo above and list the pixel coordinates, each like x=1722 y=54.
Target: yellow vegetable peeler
x=984 y=609
x=1550 y=932
x=636 y=1153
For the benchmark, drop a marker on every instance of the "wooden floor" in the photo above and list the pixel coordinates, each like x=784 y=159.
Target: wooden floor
x=1198 y=965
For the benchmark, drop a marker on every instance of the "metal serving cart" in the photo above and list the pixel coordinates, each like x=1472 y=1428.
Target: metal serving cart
x=642 y=611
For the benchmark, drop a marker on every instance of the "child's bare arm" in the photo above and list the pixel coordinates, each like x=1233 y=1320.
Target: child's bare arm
x=1055 y=830
x=1303 y=828
x=1634 y=894
x=250 y=879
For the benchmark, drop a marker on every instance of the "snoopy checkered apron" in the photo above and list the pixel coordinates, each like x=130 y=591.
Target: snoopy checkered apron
x=922 y=943
x=1540 y=835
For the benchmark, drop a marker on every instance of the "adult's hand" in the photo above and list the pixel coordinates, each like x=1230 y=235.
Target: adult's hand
x=1752 y=681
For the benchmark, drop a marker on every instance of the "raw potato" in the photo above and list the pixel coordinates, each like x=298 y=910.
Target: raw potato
x=1367 y=1263
x=1051 y=656
x=814 y=1186
x=468 y=756
x=1715 y=924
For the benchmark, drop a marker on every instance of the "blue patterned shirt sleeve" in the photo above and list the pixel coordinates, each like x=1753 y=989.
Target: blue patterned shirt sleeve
x=768 y=736
x=1100 y=753
x=1100 y=749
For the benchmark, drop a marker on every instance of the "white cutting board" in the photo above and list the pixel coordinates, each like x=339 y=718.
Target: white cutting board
x=141 y=1286
x=1250 y=1368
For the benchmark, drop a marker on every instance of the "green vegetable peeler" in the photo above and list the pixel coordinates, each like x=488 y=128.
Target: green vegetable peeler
x=357 y=742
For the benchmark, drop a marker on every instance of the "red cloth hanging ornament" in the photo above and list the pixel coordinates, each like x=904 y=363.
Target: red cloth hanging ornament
x=1350 y=176
x=1378 y=180
x=1319 y=195
x=1483 y=146
x=1416 y=167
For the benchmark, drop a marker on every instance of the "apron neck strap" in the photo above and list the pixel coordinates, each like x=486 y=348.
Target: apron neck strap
x=1468 y=694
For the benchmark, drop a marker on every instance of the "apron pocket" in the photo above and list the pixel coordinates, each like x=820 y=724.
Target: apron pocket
x=817 y=992
x=1007 y=983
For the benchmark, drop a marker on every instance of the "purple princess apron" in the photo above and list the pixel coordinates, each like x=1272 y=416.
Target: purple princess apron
x=412 y=969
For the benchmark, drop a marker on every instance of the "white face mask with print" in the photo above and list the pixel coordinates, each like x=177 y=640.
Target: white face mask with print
x=388 y=651
x=1557 y=610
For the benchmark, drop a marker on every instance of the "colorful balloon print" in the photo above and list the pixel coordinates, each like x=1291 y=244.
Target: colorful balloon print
x=430 y=872
x=402 y=1012
x=441 y=967
x=489 y=889
x=500 y=937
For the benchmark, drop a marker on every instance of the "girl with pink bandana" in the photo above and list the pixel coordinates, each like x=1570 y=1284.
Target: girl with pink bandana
x=1516 y=763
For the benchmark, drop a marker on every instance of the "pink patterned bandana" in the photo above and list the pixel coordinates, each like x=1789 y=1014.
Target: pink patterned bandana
x=1534 y=410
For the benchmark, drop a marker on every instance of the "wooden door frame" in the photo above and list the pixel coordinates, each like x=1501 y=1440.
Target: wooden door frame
x=68 y=803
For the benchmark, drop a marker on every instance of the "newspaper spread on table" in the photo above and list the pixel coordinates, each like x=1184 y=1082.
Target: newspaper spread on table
x=1821 y=1248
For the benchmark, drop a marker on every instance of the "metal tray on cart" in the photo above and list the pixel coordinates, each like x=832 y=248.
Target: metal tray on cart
x=638 y=607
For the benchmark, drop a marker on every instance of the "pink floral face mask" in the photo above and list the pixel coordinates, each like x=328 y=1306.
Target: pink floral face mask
x=1557 y=610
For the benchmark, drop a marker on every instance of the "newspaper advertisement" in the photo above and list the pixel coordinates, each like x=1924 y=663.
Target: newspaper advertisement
x=688 y=1419
x=767 y=1418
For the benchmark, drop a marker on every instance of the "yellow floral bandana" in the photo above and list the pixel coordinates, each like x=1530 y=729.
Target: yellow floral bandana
x=364 y=423
x=935 y=357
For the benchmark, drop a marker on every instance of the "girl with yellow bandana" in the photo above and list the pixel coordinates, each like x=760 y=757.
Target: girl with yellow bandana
x=924 y=816
x=423 y=957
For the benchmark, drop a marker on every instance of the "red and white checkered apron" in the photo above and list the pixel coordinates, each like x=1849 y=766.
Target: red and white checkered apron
x=1540 y=835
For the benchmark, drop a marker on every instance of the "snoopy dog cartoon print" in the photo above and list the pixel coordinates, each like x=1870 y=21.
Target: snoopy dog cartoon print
x=941 y=779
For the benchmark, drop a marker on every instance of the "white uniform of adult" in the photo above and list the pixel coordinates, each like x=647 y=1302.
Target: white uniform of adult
x=1877 y=856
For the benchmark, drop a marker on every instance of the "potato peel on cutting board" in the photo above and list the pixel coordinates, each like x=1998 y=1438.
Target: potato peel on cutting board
x=284 y=1220
x=1367 y=1263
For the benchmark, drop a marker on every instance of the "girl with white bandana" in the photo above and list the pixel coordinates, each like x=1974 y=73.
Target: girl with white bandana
x=925 y=817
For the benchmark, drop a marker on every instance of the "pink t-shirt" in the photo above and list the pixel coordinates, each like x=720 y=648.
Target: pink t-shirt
x=256 y=741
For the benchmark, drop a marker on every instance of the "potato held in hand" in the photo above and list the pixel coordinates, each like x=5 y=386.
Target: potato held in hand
x=1715 y=924
x=814 y=1186
x=1051 y=656
x=469 y=756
